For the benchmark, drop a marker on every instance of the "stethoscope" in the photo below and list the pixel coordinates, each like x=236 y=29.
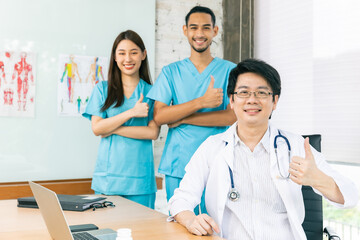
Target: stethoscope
x=234 y=195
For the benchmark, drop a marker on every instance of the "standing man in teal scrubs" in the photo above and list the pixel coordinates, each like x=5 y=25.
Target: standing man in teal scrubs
x=189 y=97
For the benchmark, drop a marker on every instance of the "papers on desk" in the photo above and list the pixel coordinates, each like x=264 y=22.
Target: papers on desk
x=67 y=202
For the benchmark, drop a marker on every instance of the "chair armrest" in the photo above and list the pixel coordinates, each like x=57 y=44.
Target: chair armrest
x=331 y=234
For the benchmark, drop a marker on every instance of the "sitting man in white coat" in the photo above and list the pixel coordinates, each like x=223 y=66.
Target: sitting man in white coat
x=252 y=192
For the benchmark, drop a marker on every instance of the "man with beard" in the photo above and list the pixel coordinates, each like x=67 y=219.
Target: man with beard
x=189 y=98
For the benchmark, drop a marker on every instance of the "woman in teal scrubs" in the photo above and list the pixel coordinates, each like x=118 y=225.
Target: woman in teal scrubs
x=122 y=116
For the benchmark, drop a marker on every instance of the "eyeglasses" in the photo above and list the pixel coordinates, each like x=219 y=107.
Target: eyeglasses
x=257 y=94
x=105 y=204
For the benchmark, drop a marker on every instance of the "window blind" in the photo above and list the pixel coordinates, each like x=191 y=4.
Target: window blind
x=315 y=46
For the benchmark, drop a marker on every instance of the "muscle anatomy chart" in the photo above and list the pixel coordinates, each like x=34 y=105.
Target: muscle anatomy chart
x=17 y=84
x=78 y=75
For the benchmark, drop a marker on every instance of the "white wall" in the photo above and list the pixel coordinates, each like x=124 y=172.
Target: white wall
x=48 y=146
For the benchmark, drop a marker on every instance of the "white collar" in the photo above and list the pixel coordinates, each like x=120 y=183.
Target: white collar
x=265 y=140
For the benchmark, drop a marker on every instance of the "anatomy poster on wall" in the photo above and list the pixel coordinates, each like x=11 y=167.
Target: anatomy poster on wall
x=78 y=75
x=17 y=84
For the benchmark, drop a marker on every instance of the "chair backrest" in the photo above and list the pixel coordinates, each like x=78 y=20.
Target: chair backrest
x=313 y=222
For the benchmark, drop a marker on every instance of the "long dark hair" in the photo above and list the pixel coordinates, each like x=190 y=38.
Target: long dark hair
x=115 y=84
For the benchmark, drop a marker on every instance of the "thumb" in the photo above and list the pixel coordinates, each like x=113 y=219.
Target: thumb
x=212 y=81
x=308 y=153
x=141 y=98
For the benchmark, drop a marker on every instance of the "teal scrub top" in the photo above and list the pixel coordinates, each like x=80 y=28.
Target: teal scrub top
x=178 y=83
x=124 y=166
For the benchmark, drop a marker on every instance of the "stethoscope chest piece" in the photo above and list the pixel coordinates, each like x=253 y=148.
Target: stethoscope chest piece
x=234 y=195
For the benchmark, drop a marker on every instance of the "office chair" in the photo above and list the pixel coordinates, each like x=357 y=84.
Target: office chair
x=313 y=222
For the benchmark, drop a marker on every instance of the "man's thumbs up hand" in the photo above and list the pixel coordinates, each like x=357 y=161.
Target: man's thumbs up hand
x=308 y=153
x=213 y=97
x=304 y=171
x=212 y=82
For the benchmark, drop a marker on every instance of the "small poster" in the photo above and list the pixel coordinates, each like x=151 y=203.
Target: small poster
x=17 y=83
x=78 y=75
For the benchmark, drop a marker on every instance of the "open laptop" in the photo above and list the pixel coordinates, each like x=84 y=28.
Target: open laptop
x=56 y=223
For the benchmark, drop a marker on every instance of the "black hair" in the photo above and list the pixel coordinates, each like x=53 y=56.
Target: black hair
x=201 y=9
x=115 y=84
x=259 y=67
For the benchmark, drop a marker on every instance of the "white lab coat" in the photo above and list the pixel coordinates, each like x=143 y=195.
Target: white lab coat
x=209 y=168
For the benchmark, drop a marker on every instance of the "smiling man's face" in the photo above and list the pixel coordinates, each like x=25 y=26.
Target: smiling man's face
x=253 y=111
x=200 y=31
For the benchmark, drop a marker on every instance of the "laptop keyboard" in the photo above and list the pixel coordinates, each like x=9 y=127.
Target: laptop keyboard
x=84 y=236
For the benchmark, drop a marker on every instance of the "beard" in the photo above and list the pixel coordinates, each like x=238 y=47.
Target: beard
x=200 y=50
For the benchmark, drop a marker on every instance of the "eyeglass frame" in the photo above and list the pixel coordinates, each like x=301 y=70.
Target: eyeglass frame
x=104 y=204
x=255 y=94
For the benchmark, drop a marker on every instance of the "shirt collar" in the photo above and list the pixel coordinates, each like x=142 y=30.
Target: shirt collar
x=265 y=140
x=236 y=138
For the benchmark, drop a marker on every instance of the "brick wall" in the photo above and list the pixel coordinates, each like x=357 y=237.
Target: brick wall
x=171 y=44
